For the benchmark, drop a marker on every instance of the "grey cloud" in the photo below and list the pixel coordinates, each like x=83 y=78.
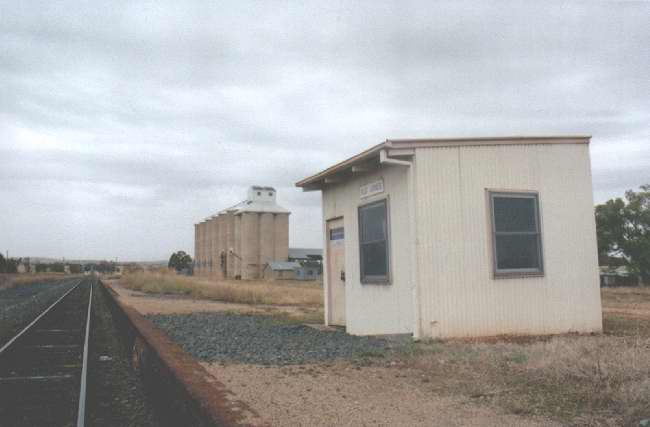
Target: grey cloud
x=158 y=114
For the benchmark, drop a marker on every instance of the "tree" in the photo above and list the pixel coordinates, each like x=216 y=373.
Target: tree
x=103 y=267
x=10 y=265
x=58 y=267
x=3 y=264
x=106 y=267
x=179 y=261
x=623 y=228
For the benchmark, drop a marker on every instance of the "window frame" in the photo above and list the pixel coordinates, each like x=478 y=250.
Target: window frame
x=377 y=280
x=498 y=273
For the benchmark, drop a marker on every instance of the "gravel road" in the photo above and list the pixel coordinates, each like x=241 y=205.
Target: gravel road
x=260 y=339
x=21 y=304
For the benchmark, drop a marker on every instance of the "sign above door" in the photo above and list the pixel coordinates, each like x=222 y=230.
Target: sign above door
x=371 y=189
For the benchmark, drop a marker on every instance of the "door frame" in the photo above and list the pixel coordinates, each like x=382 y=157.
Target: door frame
x=328 y=293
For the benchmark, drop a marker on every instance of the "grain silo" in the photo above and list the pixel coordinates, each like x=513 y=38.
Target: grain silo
x=240 y=241
x=196 y=248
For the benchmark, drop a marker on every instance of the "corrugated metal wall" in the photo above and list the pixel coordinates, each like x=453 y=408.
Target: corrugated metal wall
x=326 y=209
x=375 y=308
x=459 y=297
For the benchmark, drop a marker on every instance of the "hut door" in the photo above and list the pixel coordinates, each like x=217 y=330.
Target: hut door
x=336 y=271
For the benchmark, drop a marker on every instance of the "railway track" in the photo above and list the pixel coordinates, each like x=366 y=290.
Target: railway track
x=43 y=369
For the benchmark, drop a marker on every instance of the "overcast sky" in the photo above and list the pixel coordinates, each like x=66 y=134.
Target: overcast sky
x=122 y=125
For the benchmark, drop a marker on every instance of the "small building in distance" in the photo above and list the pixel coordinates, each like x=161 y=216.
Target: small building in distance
x=23 y=266
x=309 y=271
x=281 y=270
x=239 y=242
x=618 y=276
x=305 y=254
x=311 y=263
x=461 y=237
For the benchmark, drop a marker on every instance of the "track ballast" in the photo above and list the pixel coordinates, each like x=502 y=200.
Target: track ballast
x=43 y=368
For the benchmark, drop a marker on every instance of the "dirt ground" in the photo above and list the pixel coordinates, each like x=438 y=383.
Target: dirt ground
x=628 y=302
x=504 y=382
x=344 y=394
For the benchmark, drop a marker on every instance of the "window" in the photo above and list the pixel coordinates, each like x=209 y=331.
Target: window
x=337 y=234
x=516 y=234
x=373 y=242
x=270 y=193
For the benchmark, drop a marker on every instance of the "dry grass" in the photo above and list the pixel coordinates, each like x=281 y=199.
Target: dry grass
x=630 y=302
x=626 y=295
x=291 y=293
x=10 y=280
x=576 y=379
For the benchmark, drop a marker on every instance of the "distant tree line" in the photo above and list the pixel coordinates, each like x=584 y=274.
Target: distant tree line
x=623 y=227
x=8 y=265
x=101 y=267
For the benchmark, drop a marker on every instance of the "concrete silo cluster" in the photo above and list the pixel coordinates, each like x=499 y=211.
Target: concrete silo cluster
x=240 y=241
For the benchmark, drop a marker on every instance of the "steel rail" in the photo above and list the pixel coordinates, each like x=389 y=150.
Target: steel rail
x=26 y=328
x=81 y=414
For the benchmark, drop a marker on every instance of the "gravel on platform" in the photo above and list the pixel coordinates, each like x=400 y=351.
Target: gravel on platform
x=259 y=339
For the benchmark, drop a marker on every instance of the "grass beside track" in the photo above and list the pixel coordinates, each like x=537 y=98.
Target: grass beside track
x=8 y=281
x=294 y=293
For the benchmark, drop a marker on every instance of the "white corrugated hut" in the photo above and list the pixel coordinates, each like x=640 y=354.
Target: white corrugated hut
x=461 y=237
